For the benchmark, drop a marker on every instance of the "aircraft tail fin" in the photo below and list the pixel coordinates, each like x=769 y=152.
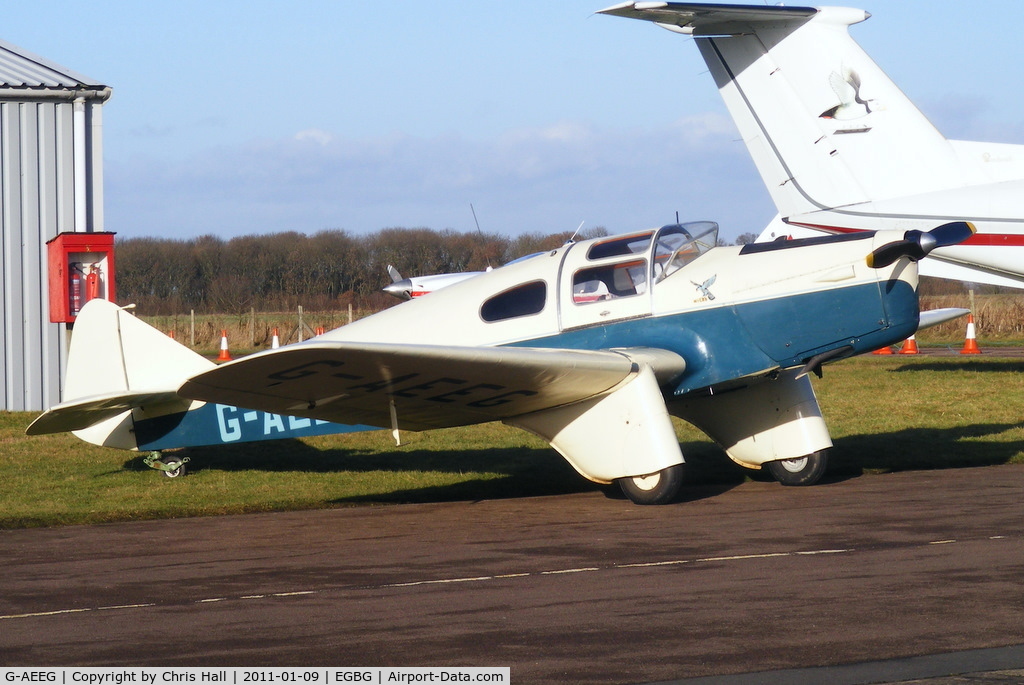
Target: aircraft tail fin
x=824 y=124
x=116 y=363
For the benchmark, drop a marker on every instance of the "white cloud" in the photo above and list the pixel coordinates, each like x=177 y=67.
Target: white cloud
x=314 y=135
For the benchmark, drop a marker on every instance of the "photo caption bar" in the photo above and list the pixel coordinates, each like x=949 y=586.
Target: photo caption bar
x=342 y=675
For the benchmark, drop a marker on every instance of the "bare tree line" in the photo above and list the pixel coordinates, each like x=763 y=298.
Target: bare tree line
x=324 y=271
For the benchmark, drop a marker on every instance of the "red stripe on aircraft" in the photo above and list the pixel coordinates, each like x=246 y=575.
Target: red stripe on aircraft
x=989 y=239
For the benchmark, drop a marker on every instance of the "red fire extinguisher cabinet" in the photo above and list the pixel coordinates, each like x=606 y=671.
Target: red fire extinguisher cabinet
x=80 y=267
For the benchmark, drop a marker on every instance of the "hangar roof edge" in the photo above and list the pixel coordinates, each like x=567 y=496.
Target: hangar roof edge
x=22 y=69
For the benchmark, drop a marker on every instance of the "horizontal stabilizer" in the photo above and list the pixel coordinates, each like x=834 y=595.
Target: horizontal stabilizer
x=88 y=411
x=933 y=317
x=705 y=19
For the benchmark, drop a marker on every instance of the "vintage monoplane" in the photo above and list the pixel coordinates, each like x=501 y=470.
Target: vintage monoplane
x=592 y=346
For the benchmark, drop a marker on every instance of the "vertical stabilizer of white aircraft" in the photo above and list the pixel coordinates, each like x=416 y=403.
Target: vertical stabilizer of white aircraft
x=112 y=352
x=825 y=126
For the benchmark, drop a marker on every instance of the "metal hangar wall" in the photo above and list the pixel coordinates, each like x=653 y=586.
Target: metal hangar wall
x=51 y=181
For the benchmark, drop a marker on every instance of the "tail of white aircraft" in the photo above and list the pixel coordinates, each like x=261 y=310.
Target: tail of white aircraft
x=826 y=127
x=121 y=390
x=116 y=364
x=839 y=146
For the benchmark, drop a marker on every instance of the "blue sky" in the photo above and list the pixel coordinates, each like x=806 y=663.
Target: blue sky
x=232 y=118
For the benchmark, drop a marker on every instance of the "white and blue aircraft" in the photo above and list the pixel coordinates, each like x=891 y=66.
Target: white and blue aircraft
x=839 y=146
x=592 y=346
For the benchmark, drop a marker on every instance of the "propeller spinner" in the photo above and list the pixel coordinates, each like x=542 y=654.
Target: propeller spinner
x=917 y=244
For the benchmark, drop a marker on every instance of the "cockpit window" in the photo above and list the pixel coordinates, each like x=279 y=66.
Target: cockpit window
x=523 y=300
x=623 y=245
x=609 y=281
x=680 y=244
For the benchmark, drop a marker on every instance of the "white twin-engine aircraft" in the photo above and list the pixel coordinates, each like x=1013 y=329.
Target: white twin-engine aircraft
x=591 y=346
x=837 y=143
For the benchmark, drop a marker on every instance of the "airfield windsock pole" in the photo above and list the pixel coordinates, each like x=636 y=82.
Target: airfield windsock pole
x=224 y=355
x=971 y=342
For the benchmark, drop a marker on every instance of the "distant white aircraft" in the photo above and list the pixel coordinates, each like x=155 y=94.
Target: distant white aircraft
x=418 y=286
x=840 y=147
x=591 y=346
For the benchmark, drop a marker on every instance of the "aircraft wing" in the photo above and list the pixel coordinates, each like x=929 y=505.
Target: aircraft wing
x=418 y=387
x=933 y=317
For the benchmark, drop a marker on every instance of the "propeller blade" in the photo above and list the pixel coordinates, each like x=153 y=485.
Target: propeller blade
x=953 y=233
x=916 y=245
x=890 y=252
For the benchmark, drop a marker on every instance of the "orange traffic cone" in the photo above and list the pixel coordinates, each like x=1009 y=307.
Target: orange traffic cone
x=884 y=350
x=909 y=346
x=275 y=341
x=319 y=330
x=971 y=342
x=224 y=356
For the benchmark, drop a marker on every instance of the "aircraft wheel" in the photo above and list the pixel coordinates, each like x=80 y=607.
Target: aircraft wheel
x=175 y=467
x=655 y=488
x=805 y=470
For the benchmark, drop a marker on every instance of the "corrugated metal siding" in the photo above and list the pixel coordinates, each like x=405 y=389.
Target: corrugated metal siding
x=36 y=202
x=21 y=69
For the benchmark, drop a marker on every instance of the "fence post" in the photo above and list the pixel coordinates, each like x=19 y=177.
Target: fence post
x=192 y=317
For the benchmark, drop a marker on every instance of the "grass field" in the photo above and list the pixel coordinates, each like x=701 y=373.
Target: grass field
x=885 y=414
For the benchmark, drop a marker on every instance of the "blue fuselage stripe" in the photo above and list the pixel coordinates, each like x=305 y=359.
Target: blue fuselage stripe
x=721 y=344
x=219 y=424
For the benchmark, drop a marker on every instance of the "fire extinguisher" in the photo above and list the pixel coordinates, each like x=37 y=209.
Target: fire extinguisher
x=92 y=283
x=75 y=290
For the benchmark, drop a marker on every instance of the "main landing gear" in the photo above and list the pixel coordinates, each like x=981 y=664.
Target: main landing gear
x=655 y=488
x=662 y=486
x=172 y=466
x=805 y=470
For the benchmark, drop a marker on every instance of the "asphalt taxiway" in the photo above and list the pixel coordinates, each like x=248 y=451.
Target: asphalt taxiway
x=752 y=578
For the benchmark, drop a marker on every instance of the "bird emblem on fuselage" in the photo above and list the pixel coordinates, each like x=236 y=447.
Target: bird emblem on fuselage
x=703 y=287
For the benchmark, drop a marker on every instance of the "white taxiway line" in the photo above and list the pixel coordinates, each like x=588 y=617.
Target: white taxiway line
x=478 y=579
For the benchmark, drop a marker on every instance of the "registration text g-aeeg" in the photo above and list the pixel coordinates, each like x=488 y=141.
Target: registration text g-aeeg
x=30 y=677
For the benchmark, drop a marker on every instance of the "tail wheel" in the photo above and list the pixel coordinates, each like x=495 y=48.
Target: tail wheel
x=655 y=488
x=175 y=467
x=805 y=470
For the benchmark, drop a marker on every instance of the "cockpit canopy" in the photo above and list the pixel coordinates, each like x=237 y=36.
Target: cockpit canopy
x=625 y=265
x=680 y=244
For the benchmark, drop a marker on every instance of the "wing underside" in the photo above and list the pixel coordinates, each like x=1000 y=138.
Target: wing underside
x=418 y=387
